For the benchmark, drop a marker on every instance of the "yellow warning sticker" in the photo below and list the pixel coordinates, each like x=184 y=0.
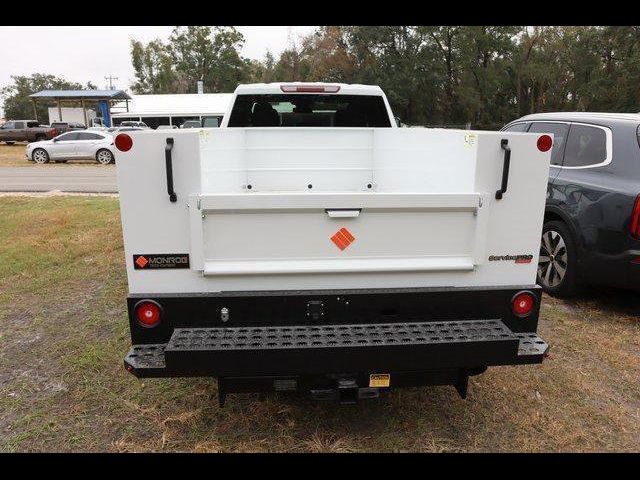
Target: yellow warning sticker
x=204 y=136
x=470 y=139
x=377 y=380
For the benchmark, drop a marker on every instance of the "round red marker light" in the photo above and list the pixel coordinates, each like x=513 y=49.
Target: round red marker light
x=148 y=313
x=124 y=142
x=544 y=143
x=523 y=304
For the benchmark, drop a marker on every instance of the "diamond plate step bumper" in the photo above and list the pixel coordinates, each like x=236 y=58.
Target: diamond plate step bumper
x=322 y=349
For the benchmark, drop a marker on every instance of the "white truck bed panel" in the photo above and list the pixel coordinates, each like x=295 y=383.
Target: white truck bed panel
x=420 y=204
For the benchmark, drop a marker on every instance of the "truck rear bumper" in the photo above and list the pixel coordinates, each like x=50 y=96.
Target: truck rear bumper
x=448 y=349
x=319 y=340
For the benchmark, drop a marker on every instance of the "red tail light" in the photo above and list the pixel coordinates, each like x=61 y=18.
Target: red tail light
x=634 y=224
x=124 y=142
x=544 y=143
x=148 y=313
x=523 y=303
x=310 y=88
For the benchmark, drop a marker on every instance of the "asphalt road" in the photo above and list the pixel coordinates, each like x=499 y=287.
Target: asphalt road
x=84 y=179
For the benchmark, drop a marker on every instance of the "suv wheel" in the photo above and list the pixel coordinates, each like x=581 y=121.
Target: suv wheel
x=104 y=157
x=557 y=262
x=40 y=156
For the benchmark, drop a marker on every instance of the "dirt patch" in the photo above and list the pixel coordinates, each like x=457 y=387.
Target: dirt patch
x=64 y=333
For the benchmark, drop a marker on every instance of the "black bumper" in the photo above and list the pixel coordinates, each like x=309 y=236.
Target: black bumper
x=332 y=349
x=620 y=271
x=330 y=340
x=331 y=307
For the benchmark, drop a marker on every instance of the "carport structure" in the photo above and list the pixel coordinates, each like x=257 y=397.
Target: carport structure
x=104 y=98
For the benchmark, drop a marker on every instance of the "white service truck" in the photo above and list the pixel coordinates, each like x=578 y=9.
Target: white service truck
x=311 y=245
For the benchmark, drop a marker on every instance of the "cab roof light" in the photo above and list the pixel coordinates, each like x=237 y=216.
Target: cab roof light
x=310 y=88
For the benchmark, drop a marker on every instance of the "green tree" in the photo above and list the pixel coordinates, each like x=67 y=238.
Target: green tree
x=608 y=63
x=432 y=75
x=153 y=66
x=262 y=71
x=292 y=66
x=484 y=88
x=396 y=58
x=210 y=54
x=17 y=103
x=327 y=56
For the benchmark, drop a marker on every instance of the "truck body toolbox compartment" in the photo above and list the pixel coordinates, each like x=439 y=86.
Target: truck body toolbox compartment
x=259 y=209
x=318 y=349
x=309 y=258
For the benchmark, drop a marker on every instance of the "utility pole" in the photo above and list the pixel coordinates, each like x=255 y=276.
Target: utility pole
x=111 y=78
x=290 y=43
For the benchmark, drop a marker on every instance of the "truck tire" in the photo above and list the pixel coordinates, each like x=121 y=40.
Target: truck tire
x=104 y=156
x=39 y=138
x=558 y=260
x=9 y=143
x=40 y=156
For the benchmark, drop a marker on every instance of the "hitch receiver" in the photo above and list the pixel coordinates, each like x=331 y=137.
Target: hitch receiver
x=347 y=392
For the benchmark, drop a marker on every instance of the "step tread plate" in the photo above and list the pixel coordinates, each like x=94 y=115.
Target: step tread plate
x=335 y=348
x=338 y=336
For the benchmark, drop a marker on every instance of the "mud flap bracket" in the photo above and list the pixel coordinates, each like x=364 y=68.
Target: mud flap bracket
x=462 y=385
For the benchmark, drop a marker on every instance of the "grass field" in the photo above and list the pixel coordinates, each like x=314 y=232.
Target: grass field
x=14 y=156
x=63 y=334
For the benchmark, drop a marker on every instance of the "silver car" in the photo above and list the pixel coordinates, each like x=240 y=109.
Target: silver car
x=77 y=145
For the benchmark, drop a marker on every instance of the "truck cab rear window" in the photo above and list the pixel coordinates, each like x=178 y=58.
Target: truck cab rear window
x=315 y=110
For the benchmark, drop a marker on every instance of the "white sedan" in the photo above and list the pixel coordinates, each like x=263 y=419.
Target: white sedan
x=76 y=145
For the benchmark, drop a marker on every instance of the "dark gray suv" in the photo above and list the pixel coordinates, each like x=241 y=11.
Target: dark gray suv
x=591 y=232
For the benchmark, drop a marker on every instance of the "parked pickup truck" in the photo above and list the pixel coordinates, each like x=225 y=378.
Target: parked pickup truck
x=308 y=244
x=62 y=127
x=25 y=131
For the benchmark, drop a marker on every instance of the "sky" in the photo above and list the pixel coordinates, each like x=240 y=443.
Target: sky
x=83 y=54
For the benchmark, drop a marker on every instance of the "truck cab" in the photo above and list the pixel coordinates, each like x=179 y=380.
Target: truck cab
x=24 y=131
x=311 y=245
x=308 y=105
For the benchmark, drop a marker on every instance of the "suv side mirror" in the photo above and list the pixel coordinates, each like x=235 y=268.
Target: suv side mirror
x=398 y=121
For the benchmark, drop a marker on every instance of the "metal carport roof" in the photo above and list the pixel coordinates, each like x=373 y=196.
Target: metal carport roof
x=81 y=95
